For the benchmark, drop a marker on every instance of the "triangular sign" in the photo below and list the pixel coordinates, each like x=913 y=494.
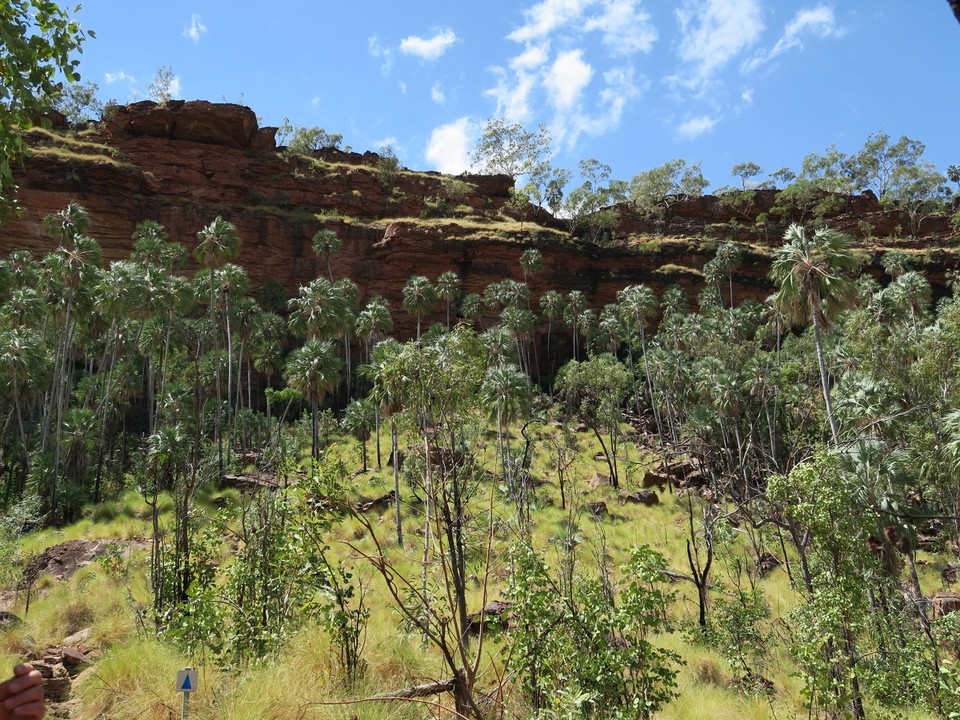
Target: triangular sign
x=186 y=684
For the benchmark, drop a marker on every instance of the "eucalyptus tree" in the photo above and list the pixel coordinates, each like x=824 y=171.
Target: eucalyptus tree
x=591 y=206
x=812 y=274
x=326 y=244
x=511 y=149
x=448 y=290
x=919 y=190
x=313 y=369
x=217 y=243
x=874 y=166
x=658 y=191
x=419 y=297
x=440 y=384
x=594 y=390
x=41 y=41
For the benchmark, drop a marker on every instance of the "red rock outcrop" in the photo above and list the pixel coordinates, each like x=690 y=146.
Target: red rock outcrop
x=184 y=163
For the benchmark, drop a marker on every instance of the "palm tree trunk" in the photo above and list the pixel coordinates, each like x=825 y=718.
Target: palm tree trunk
x=824 y=381
x=394 y=442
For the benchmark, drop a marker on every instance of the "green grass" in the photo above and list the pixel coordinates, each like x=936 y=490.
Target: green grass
x=134 y=677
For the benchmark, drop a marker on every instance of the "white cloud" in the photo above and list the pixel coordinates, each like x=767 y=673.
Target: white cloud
x=747 y=96
x=512 y=93
x=384 y=142
x=380 y=52
x=566 y=79
x=547 y=16
x=175 y=88
x=448 y=148
x=315 y=101
x=817 y=22
x=437 y=94
x=626 y=29
x=714 y=32
x=531 y=58
x=121 y=76
x=403 y=87
x=620 y=87
x=196 y=29
x=697 y=126
x=429 y=48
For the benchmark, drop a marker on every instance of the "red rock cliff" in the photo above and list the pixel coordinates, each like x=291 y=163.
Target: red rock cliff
x=184 y=163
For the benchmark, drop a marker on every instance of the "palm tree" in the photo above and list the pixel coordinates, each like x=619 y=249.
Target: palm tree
x=812 y=276
x=639 y=303
x=419 y=297
x=506 y=392
x=912 y=290
x=326 y=244
x=551 y=307
x=472 y=307
x=521 y=323
x=70 y=269
x=572 y=313
x=217 y=243
x=895 y=263
x=358 y=421
x=448 y=290
x=531 y=260
x=389 y=393
x=729 y=257
x=313 y=370
x=317 y=312
x=373 y=323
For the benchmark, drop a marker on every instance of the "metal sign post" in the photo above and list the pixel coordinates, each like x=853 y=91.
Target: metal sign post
x=186 y=684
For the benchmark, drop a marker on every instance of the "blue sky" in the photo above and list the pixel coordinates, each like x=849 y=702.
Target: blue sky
x=632 y=83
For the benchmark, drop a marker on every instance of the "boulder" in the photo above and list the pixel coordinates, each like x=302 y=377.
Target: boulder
x=945 y=603
x=598 y=509
x=653 y=479
x=641 y=497
x=767 y=563
x=384 y=501
x=495 y=615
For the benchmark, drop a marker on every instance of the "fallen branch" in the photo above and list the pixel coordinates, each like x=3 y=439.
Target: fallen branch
x=433 y=688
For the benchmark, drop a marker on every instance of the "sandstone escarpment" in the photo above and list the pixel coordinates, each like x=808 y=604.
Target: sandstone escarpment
x=184 y=163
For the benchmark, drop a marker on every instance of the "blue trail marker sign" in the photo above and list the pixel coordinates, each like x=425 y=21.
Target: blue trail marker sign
x=187 y=680
x=186 y=684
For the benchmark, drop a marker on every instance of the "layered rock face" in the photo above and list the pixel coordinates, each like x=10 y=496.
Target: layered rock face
x=185 y=163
